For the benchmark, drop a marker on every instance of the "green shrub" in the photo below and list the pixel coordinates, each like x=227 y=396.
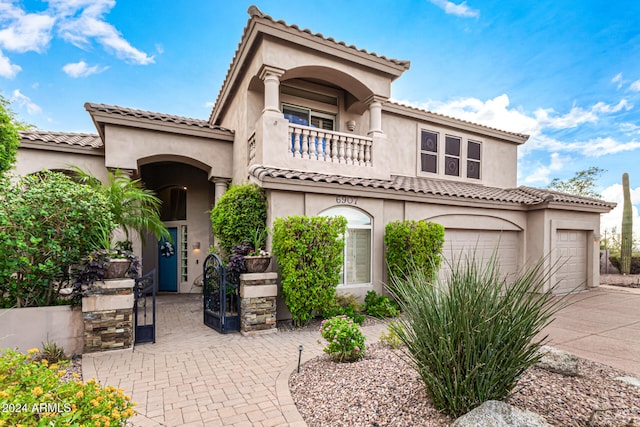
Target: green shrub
x=409 y=241
x=391 y=338
x=346 y=305
x=309 y=254
x=32 y=393
x=47 y=223
x=380 y=306
x=9 y=137
x=635 y=263
x=52 y=352
x=238 y=214
x=472 y=336
x=344 y=337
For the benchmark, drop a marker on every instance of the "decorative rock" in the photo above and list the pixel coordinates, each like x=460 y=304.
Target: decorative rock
x=494 y=413
x=630 y=380
x=558 y=361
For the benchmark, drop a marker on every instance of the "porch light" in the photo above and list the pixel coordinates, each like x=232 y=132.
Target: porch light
x=196 y=246
x=351 y=125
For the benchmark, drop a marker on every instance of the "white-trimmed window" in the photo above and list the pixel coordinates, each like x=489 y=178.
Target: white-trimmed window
x=308 y=117
x=356 y=265
x=473 y=159
x=452 y=156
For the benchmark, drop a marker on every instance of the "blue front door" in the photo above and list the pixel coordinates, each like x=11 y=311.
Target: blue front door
x=168 y=263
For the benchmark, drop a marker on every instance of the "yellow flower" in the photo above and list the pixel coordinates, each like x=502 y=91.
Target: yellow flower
x=115 y=414
x=47 y=396
x=33 y=351
x=94 y=402
x=37 y=391
x=4 y=395
x=76 y=376
x=53 y=367
x=95 y=416
x=91 y=381
x=45 y=362
x=61 y=372
x=80 y=394
x=74 y=407
x=106 y=419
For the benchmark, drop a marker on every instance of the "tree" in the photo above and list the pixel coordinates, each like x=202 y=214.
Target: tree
x=583 y=183
x=9 y=136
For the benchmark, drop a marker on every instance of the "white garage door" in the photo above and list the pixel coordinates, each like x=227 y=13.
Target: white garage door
x=458 y=243
x=572 y=257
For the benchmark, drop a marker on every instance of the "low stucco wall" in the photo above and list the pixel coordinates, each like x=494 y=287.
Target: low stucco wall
x=25 y=328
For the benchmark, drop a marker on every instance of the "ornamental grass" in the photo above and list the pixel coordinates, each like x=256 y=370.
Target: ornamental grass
x=473 y=334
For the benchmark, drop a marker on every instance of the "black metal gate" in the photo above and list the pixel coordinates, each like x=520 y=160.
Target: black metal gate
x=221 y=302
x=144 y=308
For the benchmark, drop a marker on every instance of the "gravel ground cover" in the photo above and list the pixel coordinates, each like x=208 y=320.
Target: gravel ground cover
x=382 y=390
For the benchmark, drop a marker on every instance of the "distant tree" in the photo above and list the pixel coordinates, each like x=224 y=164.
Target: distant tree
x=583 y=183
x=9 y=136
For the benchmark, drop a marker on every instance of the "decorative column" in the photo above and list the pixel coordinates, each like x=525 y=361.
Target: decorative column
x=375 y=115
x=271 y=77
x=258 y=292
x=220 y=187
x=107 y=311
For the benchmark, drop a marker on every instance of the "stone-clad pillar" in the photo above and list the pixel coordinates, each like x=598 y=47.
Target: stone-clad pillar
x=258 y=292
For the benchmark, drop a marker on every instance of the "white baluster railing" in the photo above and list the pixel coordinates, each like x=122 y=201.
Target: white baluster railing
x=328 y=146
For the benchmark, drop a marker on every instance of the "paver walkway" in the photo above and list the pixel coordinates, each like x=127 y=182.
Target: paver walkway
x=194 y=376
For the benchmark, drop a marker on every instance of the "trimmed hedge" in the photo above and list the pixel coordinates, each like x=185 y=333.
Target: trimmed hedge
x=309 y=253
x=413 y=242
x=237 y=215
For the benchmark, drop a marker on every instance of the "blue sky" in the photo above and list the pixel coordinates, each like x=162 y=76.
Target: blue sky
x=567 y=73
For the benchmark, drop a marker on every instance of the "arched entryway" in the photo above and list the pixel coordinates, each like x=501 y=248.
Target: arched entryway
x=187 y=195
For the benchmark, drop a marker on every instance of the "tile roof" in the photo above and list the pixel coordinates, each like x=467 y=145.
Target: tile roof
x=254 y=12
x=167 y=118
x=422 y=110
x=69 y=138
x=437 y=187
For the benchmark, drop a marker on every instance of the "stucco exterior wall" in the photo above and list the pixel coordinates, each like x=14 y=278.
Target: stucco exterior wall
x=31 y=160
x=403 y=134
x=127 y=147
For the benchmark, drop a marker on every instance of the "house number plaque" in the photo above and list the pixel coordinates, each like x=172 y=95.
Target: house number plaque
x=347 y=200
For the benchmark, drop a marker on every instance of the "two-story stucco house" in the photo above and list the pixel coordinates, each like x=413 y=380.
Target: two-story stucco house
x=309 y=119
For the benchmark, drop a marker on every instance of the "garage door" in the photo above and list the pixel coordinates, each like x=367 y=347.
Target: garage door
x=572 y=257
x=484 y=243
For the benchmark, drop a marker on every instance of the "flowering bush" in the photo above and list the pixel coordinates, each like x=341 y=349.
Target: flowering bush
x=260 y=252
x=32 y=393
x=346 y=341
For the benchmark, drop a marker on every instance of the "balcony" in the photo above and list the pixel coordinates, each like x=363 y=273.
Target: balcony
x=279 y=143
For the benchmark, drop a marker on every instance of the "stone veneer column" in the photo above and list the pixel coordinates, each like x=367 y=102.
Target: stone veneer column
x=107 y=311
x=258 y=292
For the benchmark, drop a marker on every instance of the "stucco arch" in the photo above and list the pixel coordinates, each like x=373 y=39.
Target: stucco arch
x=330 y=75
x=475 y=222
x=158 y=158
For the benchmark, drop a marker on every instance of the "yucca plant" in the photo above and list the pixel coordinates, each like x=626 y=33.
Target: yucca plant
x=134 y=207
x=473 y=334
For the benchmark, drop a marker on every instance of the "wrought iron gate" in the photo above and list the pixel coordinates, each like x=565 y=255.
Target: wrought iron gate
x=221 y=302
x=144 y=308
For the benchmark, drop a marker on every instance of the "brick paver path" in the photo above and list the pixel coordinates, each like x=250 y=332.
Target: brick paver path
x=195 y=376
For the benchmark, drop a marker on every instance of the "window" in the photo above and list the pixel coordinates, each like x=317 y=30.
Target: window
x=174 y=203
x=307 y=117
x=449 y=155
x=452 y=156
x=356 y=267
x=429 y=151
x=473 y=160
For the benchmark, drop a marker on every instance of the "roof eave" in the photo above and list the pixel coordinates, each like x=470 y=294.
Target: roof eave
x=452 y=122
x=53 y=146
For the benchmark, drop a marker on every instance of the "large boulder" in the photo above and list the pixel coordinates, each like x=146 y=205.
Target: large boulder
x=558 y=361
x=494 y=413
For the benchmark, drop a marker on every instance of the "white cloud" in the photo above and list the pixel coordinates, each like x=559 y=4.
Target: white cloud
x=28 y=32
x=635 y=86
x=83 y=20
x=7 y=69
x=81 y=69
x=577 y=115
x=209 y=104
x=618 y=79
x=542 y=172
x=79 y=22
x=451 y=8
x=22 y=100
